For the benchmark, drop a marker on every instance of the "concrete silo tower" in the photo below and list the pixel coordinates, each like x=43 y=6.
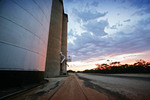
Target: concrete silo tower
x=64 y=44
x=53 y=61
x=24 y=30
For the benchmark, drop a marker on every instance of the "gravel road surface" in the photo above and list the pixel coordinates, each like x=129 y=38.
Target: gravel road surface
x=119 y=86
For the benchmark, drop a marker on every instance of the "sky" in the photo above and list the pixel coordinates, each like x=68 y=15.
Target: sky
x=102 y=30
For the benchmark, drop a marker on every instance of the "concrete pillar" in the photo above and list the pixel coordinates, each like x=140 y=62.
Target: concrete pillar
x=52 y=67
x=64 y=42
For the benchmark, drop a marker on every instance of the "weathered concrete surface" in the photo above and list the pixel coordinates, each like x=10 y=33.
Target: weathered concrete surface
x=69 y=91
x=64 y=42
x=64 y=35
x=73 y=89
x=52 y=67
x=63 y=88
x=43 y=92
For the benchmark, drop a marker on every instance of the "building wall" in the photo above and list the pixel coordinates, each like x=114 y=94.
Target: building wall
x=24 y=29
x=54 y=44
x=64 y=42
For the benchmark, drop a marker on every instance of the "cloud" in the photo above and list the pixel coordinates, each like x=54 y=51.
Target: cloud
x=113 y=27
x=136 y=41
x=69 y=1
x=132 y=35
x=128 y=20
x=138 y=13
x=90 y=46
x=95 y=3
x=87 y=44
x=141 y=4
x=96 y=27
x=89 y=15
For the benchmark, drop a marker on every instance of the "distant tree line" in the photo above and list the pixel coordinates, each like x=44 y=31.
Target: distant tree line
x=71 y=71
x=140 y=66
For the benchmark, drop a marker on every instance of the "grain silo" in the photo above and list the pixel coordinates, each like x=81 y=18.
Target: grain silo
x=64 y=44
x=24 y=29
x=57 y=37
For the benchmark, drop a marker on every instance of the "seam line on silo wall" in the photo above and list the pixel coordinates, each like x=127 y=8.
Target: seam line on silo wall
x=30 y=13
x=33 y=17
x=6 y=43
x=41 y=9
x=23 y=37
x=23 y=28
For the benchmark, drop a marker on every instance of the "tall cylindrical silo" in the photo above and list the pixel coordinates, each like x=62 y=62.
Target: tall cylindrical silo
x=52 y=67
x=24 y=29
x=64 y=43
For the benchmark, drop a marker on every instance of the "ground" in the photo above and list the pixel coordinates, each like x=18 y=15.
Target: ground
x=81 y=86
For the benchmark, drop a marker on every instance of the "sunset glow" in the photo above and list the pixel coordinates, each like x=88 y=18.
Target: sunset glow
x=104 y=31
x=123 y=59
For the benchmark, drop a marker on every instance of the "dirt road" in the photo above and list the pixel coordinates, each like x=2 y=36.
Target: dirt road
x=91 y=87
x=119 y=86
